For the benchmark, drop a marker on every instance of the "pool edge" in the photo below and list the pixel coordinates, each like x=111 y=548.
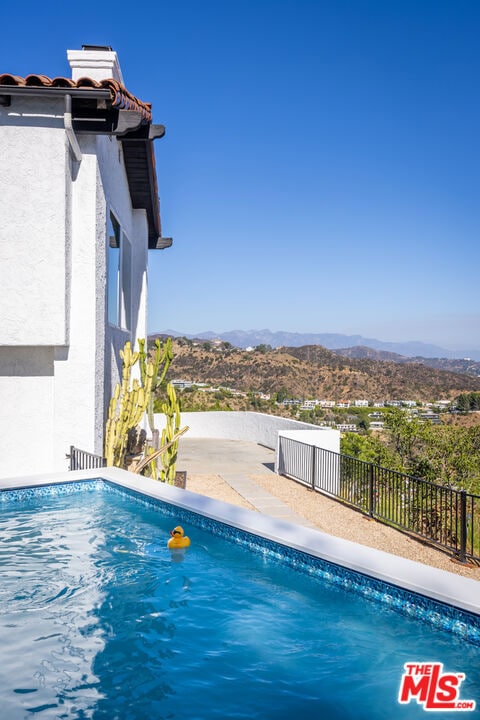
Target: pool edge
x=440 y=585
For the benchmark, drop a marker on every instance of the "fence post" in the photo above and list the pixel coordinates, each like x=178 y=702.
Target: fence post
x=72 y=457
x=463 y=526
x=313 y=467
x=371 y=491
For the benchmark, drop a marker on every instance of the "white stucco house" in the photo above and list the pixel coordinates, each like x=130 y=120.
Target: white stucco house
x=79 y=211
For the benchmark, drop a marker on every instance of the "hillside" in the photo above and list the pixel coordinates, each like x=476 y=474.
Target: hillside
x=313 y=371
x=459 y=365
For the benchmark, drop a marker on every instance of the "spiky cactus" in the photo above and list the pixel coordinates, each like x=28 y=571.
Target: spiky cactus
x=127 y=407
x=160 y=359
x=130 y=401
x=171 y=410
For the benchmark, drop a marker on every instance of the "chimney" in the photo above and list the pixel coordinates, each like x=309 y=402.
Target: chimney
x=98 y=62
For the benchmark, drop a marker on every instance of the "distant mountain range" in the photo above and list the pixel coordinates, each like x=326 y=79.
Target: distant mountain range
x=466 y=366
x=331 y=341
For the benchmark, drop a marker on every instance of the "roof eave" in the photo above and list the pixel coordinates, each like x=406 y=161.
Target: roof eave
x=129 y=126
x=139 y=157
x=93 y=93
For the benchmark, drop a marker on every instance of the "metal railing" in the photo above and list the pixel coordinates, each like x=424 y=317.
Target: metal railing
x=83 y=460
x=444 y=516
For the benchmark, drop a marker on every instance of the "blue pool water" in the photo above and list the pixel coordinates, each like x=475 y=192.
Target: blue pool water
x=99 y=620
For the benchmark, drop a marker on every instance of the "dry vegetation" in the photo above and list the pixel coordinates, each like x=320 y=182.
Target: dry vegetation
x=315 y=372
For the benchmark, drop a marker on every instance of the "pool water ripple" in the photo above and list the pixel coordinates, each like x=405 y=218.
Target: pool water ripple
x=99 y=620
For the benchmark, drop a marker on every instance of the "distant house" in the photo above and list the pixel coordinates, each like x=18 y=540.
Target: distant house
x=431 y=417
x=347 y=427
x=181 y=384
x=309 y=404
x=80 y=210
x=262 y=396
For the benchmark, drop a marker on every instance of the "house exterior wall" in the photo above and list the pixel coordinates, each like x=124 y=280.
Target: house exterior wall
x=78 y=409
x=26 y=397
x=33 y=253
x=58 y=355
x=133 y=223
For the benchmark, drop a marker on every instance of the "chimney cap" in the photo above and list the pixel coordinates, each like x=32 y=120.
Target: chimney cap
x=98 y=62
x=106 y=48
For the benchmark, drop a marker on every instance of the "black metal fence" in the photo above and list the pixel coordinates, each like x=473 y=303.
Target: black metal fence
x=83 y=460
x=444 y=516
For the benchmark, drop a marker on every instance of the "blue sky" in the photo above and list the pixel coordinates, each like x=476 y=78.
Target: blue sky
x=320 y=171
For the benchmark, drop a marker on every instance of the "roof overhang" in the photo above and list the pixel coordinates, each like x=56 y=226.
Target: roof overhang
x=162 y=243
x=108 y=109
x=139 y=157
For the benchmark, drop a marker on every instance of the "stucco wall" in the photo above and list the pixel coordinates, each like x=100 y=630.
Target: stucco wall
x=113 y=181
x=92 y=365
x=53 y=273
x=26 y=412
x=256 y=427
x=78 y=372
x=326 y=438
x=33 y=253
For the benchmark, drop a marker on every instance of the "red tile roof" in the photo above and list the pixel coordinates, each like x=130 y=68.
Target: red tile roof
x=121 y=97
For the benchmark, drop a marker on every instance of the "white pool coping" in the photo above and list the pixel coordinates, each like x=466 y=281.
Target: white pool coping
x=440 y=585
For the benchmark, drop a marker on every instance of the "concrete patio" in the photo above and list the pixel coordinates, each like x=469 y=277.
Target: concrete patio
x=241 y=472
x=235 y=461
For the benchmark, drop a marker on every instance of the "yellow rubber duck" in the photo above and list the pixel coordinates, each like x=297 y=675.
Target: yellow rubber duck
x=178 y=539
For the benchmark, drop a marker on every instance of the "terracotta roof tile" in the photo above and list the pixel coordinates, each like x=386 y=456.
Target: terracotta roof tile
x=121 y=97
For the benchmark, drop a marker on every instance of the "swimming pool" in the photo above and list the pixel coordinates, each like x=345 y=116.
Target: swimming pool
x=98 y=619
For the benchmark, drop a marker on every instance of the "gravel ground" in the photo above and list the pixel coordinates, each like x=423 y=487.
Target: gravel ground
x=331 y=517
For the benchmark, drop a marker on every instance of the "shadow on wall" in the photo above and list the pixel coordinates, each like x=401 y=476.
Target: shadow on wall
x=29 y=361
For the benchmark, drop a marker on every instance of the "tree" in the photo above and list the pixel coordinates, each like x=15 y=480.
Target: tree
x=369 y=449
x=463 y=402
x=404 y=433
x=364 y=424
x=282 y=394
x=452 y=456
x=474 y=401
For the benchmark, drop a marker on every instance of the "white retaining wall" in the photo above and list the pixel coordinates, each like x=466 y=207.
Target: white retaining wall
x=253 y=426
x=326 y=438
